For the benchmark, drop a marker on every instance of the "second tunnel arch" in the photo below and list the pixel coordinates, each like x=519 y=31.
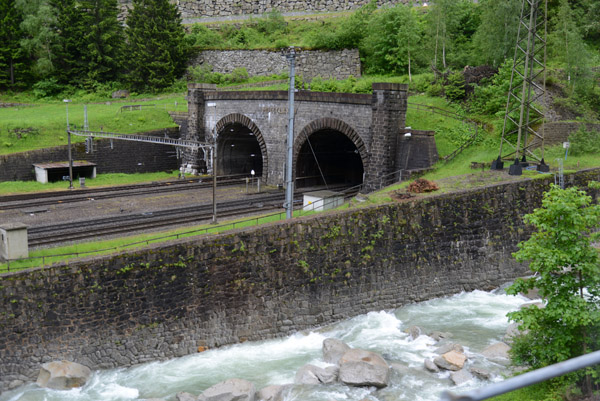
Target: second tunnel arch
x=346 y=153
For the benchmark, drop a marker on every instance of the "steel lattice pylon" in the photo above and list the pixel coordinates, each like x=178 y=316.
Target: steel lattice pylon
x=520 y=133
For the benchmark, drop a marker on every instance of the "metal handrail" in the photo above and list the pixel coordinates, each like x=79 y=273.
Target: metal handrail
x=446 y=113
x=526 y=379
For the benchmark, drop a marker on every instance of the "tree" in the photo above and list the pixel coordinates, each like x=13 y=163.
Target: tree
x=567 y=45
x=13 y=63
x=41 y=40
x=450 y=26
x=68 y=60
x=496 y=36
x=393 y=38
x=104 y=40
x=157 y=51
x=566 y=271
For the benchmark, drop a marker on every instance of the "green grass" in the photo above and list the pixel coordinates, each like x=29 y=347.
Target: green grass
x=101 y=180
x=552 y=390
x=46 y=121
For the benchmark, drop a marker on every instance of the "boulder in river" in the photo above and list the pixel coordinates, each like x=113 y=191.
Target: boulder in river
x=439 y=335
x=496 y=351
x=480 y=373
x=271 y=393
x=414 y=332
x=311 y=374
x=333 y=350
x=460 y=377
x=183 y=396
x=229 y=390
x=63 y=375
x=449 y=347
x=364 y=368
x=430 y=366
x=451 y=360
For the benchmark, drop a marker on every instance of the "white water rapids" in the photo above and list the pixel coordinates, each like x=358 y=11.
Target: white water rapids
x=475 y=319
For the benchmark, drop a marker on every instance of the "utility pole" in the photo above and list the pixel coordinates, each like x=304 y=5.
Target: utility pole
x=289 y=194
x=214 y=171
x=522 y=116
x=67 y=101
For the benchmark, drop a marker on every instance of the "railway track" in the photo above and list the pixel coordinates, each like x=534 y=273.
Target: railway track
x=59 y=233
x=23 y=201
x=107 y=226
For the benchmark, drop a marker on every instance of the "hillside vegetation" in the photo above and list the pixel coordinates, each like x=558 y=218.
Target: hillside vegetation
x=428 y=48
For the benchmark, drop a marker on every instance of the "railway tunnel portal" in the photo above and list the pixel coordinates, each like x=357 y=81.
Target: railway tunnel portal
x=339 y=138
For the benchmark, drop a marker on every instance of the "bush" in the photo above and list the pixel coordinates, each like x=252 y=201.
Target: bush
x=455 y=87
x=47 y=88
x=238 y=75
x=205 y=38
x=271 y=22
x=584 y=142
x=420 y=83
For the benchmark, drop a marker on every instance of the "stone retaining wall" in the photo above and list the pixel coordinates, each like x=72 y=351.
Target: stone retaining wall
x=170 y=299
x=120 y=157
x=559 y=131
x=222 y=8
x=338 y=64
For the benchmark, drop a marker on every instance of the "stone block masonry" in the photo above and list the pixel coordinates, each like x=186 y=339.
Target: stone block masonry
x=118 y=157
x=193 y=9
x=169 y=299
x=338 y=64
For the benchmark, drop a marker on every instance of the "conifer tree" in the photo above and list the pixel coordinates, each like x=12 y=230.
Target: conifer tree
x=104 y=40
x=69 y=67
x=14 y=66
x=157 y=49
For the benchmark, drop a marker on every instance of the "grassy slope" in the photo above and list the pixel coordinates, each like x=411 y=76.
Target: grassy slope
x=48 y=119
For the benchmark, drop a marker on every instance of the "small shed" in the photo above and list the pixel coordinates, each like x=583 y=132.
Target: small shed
x=13 y=241
x=322 y=200
x=57 y=171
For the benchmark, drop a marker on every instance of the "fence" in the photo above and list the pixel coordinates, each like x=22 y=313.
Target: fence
x=526 y=379
x=475 y=126
x=214 y=229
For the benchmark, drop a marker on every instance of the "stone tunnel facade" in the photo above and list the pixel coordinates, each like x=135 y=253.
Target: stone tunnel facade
x=349 y=131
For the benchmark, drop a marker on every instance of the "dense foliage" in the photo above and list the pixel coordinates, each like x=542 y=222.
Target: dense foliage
x=52 y=45
x=566 y=271
x=157 y=48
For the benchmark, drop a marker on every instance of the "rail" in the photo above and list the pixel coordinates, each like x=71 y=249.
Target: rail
x=526 y=379
x=213 y=229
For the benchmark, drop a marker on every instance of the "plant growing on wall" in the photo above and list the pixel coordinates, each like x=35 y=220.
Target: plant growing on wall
x=566 y=270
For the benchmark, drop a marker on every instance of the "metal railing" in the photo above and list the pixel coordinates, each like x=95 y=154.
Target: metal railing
x=132 y=107
x=526 y=379
x=475 y=126
x=212 y=229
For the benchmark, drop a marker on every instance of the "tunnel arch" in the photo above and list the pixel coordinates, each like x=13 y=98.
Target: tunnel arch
x=238 y=125
x=350 y=149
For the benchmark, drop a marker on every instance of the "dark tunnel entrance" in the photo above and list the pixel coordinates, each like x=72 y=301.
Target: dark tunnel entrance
x=330 y=157
x=238 y=151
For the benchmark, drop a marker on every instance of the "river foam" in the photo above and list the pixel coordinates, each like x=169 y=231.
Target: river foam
x=475 y=319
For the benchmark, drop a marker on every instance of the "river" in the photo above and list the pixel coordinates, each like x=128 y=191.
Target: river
x=475 y=320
